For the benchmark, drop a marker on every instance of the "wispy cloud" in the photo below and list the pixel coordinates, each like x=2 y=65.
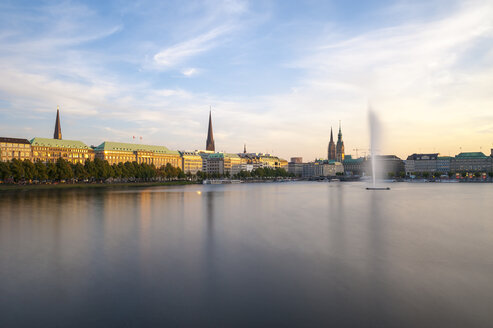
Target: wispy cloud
x=190 y=71
x=423 y=77
x=182 y=51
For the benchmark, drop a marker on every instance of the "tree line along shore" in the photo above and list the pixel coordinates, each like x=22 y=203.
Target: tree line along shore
x=17 y=172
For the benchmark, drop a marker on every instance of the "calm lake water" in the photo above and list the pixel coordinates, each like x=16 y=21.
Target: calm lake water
x=271 y=255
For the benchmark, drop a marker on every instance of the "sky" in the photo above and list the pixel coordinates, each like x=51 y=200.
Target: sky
x=277 y=74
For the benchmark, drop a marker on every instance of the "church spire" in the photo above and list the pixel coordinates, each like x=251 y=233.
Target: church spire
x=340 y=146
x=210 y=138
x=244 y=149
x=58 y=128
x=331 y=153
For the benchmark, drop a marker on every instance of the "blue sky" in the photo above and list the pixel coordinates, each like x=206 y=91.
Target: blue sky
x=278 y=74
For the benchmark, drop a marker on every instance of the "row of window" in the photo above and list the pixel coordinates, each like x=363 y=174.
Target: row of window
x=69 y=155
x=16 y=154
x=14 y=145
x=58 y=149
x=75 y=161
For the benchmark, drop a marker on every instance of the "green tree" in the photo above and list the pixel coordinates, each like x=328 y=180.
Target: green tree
x=29 y=170
x=80 y=172
x=146 y=171
x=17 y=170
x=64 y=169
x=119 y=170
x=52 y=171
x=201 y=175
x=130 y=170
x=170 y=171
x=5 y=172
x=103 y=169
x=259 y=172
x=90 y=168
x=41 y=171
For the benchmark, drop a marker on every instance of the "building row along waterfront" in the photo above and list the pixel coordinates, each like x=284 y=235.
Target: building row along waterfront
x=391 y=165
x=388 y=165
x=48 y=150
x=463 y=162
x=322 y=168
x=228 y=163
x=316 y=169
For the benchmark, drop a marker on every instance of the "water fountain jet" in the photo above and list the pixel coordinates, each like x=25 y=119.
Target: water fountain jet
x=374 y=146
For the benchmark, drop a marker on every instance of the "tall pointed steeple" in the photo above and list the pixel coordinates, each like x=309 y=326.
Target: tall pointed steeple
x=58 y=128
x=244 y=149
x=340 y=145
x=210 y=137
x=332 y=147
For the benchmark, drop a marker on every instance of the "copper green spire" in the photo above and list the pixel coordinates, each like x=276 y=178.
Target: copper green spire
x=58 y=128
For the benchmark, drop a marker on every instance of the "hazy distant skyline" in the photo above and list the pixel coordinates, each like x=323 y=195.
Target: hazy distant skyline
x=278 y=74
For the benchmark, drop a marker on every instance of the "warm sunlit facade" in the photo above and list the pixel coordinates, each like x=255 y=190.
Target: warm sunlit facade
x=119 y=152
x=191 y=162
x=14 y=148
x=49 y=150
x=264 y=160
x=272 y=161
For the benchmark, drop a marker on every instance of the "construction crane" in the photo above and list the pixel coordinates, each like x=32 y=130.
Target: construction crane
x=358 y=149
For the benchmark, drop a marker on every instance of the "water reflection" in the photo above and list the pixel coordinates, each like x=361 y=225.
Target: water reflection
x=301 y=254
x=377 y=262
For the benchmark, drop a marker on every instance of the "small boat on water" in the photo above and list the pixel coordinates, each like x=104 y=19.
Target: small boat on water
x=220 y=181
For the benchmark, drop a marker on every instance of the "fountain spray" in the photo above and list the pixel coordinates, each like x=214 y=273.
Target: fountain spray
x=375 y=130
